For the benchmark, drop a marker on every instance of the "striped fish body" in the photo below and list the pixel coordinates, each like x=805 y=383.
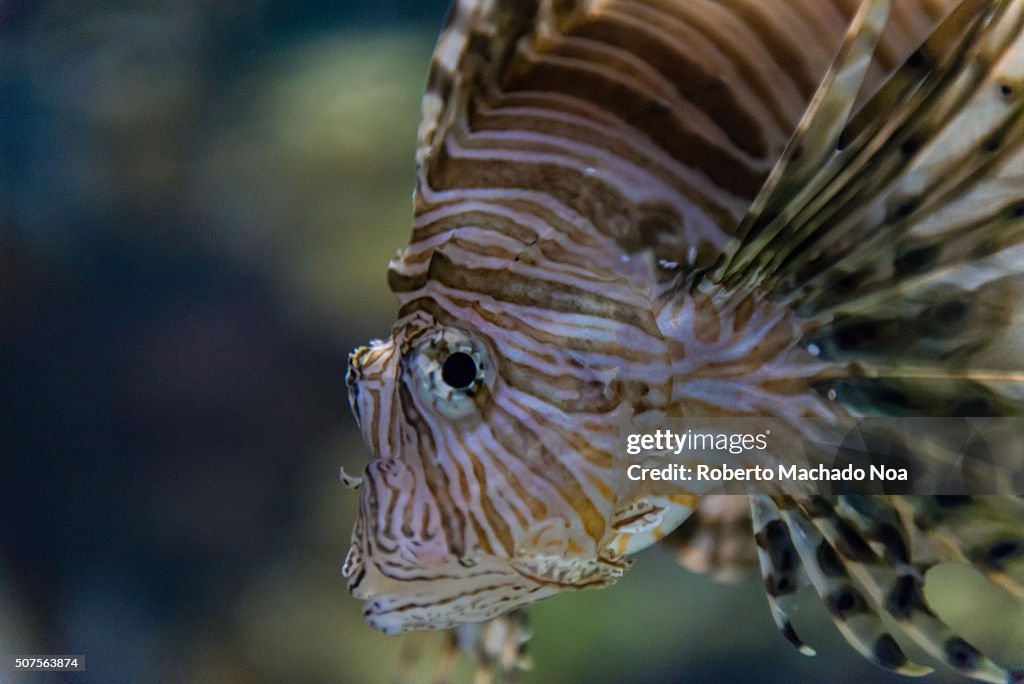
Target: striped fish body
x=632 y=209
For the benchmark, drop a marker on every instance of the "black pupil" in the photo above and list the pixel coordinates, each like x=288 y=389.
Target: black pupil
x=459 y=370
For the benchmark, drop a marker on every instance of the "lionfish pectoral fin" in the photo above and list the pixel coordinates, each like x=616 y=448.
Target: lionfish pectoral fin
x=853 y=609
x=985 y=531
x=899 y=240
x=780 y=567
x=815 y=138
x=867 y=557
x=837 y=169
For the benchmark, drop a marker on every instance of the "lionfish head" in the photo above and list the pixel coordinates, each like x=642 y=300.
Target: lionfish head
x=468 y=509
x=626 y=210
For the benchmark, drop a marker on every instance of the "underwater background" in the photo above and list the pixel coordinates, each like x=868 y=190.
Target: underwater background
x=198 y=202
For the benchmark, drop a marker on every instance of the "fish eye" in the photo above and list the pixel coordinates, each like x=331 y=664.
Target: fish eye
x=450 y=371
x=459 y=370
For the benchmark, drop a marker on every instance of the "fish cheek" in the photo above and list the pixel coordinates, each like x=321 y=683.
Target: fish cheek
x=403 y=531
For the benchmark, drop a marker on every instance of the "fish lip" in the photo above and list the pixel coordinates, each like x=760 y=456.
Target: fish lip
x=383 y=620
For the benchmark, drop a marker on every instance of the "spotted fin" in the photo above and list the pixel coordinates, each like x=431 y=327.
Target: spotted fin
x=866 y=557
x=783 y=573
x=894 y=585
x=985 y=531
x=854 y=611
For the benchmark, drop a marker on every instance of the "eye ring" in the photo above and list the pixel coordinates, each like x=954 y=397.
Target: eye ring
x=451 y=371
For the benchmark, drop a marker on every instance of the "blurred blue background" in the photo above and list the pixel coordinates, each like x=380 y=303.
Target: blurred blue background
x=197 y=205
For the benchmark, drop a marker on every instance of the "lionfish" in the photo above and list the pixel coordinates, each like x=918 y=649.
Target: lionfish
x=804 y=209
